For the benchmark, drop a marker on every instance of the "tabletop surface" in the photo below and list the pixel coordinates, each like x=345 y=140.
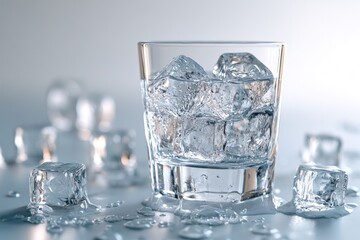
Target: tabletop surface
x=289 y=227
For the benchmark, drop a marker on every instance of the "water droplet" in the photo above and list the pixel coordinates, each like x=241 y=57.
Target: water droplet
x=13 y=194
x=112 y=218
x=146 y=211
x=162 y=215
x=97 y=220
x=142 y=223
x=55 y=229
x=244 y=211
x=204 y=176
x=164 y=224
x=130 y=217
x=195 y=232
x=262 y=229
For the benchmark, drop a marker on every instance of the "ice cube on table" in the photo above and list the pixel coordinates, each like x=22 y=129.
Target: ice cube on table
x=322 y=149
x=94 y=112
x=61 y=100
x=241 y=66
x=114 y=150
x=37 y=143
x=175 y=87
x=58 y=184
x=318 y=188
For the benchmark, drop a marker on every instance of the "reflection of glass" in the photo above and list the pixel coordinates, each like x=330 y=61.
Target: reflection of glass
x=35 y=143
x=211 y=130
x=62 y=96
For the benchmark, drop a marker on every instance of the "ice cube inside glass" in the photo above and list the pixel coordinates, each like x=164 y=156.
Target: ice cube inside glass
x=322 y=149
x=211 y=109
x=58 y=184
x=319 y=188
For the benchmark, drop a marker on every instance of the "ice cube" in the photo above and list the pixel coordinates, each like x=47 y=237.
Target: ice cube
x=322 y=149
x=249 y=137
x=61 y=98
x=226 y=100
x=241 y=66
x=36 y=143
x=202 y=139
x=175 y=87
x=318 y=188
x=58 y=184
x=165 y=132
x=114 y=150
x=94 y=112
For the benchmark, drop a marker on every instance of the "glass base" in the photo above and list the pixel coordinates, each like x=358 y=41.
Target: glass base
x=202 y=183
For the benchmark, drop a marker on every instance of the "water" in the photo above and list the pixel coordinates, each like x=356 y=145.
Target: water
x=115 y=204
x=217 y=125
x=54 y=229
x=130 y=216
x=164 y=224
x=61 y=100
x=322 y=149
x=263 y=229
x=112 y=218
x=195 y=232
x=146 y=211
x=141 y=223
x=13 y=194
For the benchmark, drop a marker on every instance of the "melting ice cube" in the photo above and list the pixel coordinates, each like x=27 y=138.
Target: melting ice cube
x=322 y=149
x=241 y=66
x=319 y=188
x=58 y=184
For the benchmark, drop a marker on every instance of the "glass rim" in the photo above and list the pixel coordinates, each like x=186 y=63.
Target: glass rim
x=170 y=43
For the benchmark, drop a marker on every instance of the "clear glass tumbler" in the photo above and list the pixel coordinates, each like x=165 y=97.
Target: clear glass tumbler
x=211 y=117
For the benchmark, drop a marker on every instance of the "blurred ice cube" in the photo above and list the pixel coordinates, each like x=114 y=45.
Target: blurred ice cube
x=94 y=112
x=174 y=88
x=249 y=137
x=318 y=188
x=114 y=150
x=2 y=160
x=61 y=100
x=58 y=184
x=36 y=143
x=202 y=139
x=241 y=66
x=322 y=149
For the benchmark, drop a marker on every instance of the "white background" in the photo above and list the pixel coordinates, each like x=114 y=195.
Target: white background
x=96 y=41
